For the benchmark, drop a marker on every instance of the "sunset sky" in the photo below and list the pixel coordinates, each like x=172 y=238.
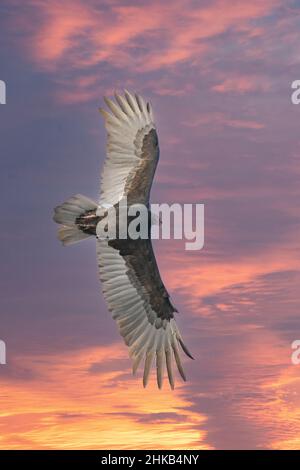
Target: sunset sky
x=218 y=74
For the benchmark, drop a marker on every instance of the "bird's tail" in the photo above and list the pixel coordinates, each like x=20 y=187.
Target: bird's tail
x=69 y=215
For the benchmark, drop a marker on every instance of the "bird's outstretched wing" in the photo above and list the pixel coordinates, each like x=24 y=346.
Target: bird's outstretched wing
x=131 y=281
x=140 y=305
x=132 y=150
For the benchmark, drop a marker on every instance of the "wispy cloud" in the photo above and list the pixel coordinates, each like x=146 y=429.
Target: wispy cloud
x=152 y=35
x=242 y=84
x=220 y=119
x=68 y=37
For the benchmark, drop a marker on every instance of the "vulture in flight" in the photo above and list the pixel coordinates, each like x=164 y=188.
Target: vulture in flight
x=132 y=286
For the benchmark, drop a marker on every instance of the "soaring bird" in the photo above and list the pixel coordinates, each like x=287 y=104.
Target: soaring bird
x=132 y=286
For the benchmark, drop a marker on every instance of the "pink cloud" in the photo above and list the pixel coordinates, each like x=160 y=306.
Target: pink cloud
x=80 y=34
x=217 y=119
x=244 y=124
x=60 y=29
x=242 y=84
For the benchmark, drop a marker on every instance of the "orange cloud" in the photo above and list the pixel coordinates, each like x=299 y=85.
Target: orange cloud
x=197 y=276
x=71 y=405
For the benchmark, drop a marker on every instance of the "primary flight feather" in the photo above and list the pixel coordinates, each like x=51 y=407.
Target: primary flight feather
x=132 y=286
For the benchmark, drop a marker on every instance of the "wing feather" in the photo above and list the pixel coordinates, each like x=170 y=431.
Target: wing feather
x=168 y=355
x=148 y=336
x=127 y=122
x=124 y=105
x=160 y=359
